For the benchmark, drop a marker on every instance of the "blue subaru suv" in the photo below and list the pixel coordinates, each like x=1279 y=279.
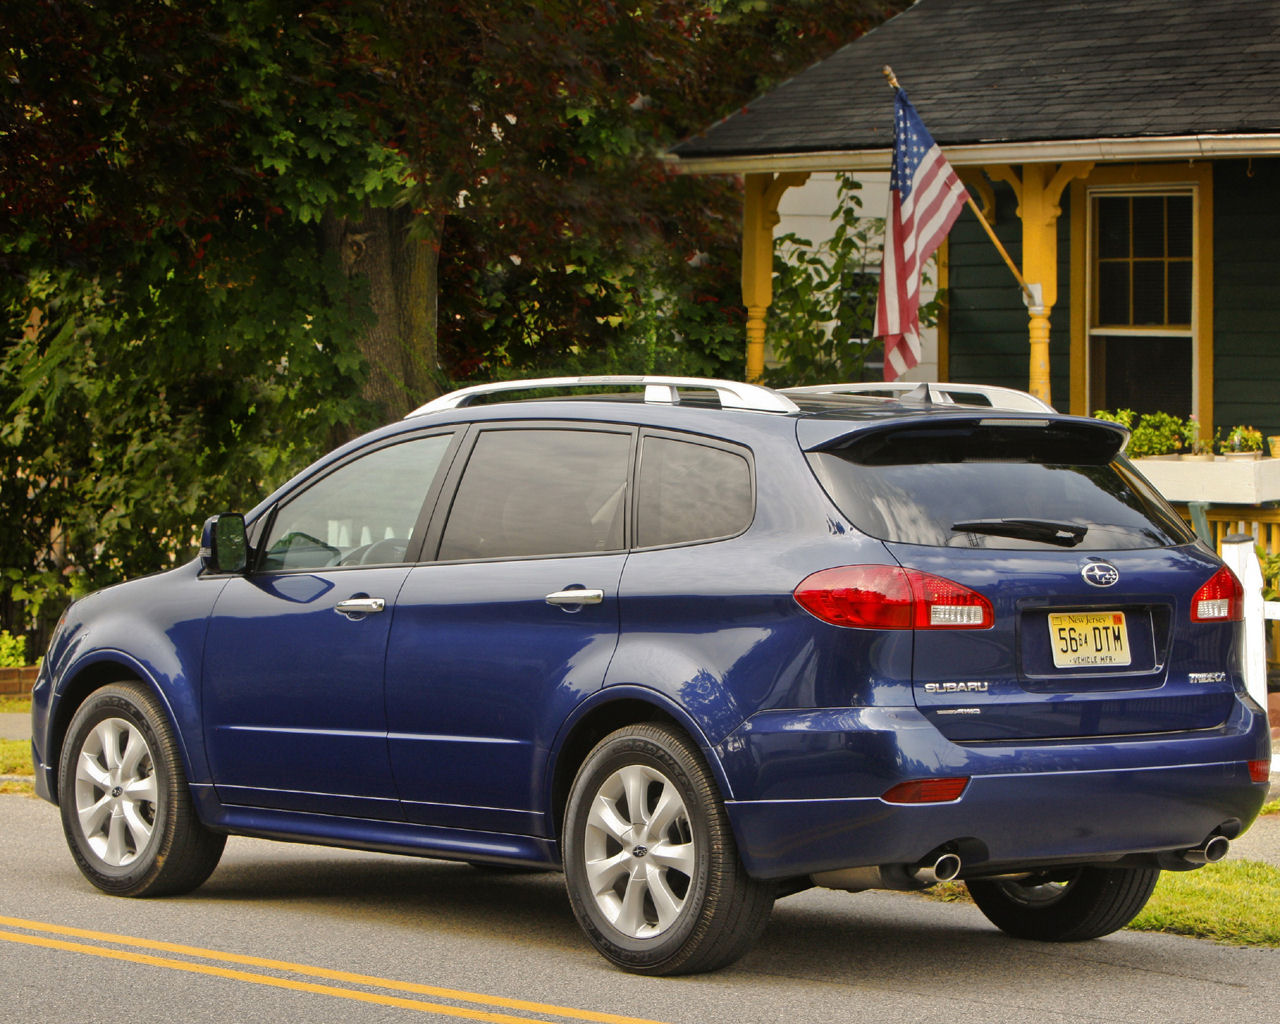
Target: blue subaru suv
x=699 y=644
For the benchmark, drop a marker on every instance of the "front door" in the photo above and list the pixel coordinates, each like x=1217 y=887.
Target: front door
x=293 y=675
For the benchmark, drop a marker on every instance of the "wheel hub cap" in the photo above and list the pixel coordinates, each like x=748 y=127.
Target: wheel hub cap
x=115 y=792
x=640 y=855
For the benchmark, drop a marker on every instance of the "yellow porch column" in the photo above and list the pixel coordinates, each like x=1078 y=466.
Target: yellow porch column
x=760 y=217
x=1039 y=190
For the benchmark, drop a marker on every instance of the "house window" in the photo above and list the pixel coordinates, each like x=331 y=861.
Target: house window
x=1141 y=315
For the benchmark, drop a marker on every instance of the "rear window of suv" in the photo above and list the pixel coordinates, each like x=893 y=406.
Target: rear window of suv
x=984 y=486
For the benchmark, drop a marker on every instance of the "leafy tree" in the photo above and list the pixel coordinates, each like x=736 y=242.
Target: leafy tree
x=233 y=232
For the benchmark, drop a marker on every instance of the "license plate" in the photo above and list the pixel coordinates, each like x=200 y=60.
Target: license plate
x=1088 y=639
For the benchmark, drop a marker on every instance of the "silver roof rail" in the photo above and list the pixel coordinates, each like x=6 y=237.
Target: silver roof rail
x=659 y=390
x=933 y=391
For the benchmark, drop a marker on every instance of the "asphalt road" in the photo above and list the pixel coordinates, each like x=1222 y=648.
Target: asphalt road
x=279 y=931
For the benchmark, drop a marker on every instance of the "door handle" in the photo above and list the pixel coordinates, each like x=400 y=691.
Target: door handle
x=575 y=596
x=356 y=606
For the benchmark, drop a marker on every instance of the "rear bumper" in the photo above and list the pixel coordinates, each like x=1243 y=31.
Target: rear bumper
x=1026 y=804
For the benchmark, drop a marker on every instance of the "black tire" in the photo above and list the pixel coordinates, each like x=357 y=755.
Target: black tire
x=683 y=860
x=126 y=809
x=1066 y=906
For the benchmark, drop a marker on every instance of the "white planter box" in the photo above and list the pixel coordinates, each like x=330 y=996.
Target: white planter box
x=1222 y=482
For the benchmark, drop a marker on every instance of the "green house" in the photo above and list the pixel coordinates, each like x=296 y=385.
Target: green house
x=1127 y=155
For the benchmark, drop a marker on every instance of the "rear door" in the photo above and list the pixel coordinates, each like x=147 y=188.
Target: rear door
x=515 y=622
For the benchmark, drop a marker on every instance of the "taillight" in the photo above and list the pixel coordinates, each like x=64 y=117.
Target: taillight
x=890 y=597
x=1221 y=599
x=1260 y=771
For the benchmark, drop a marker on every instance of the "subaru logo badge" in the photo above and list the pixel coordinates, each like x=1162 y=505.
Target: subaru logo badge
x=1100 y=574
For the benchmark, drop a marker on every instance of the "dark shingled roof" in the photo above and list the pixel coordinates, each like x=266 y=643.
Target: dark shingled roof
x=1028 y=70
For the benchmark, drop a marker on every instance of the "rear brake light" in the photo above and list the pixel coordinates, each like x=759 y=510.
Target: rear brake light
x=926 y=791
x=890 y=597
x=1260 y=771
x=1221 y=599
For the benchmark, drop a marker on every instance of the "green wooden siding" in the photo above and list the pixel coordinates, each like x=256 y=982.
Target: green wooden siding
x=1246 y=299
x=990 y=343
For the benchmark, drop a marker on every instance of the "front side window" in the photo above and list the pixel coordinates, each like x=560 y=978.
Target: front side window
x=540 y=492
x=363 y=513
x=690 y=492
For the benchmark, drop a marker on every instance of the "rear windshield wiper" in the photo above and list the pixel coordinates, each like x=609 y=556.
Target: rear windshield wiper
x=1066 y=535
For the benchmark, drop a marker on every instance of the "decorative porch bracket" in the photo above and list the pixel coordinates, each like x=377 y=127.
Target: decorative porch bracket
x=760 y=217
x=1039 y=190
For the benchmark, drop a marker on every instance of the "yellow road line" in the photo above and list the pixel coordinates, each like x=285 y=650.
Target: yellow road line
x=300 y=969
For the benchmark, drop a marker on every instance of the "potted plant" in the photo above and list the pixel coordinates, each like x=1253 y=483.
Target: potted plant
x=1199 y=449
x=1243 y=443
x=1155 y=435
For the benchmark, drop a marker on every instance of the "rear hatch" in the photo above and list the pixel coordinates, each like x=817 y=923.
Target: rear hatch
x=1106 y=618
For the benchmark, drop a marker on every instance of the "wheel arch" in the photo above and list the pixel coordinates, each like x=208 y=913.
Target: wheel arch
x=81 y=683
x=611 y=709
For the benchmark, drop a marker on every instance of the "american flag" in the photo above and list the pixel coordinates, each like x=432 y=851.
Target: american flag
x=925 y=198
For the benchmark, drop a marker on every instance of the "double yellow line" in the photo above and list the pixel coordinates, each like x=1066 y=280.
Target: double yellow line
x=207 y=961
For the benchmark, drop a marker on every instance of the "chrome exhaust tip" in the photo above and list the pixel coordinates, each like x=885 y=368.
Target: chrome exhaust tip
x=944 y=869
x=1210 y=851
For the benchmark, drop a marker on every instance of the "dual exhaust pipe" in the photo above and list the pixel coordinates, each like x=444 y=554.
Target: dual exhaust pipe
x=945 y=867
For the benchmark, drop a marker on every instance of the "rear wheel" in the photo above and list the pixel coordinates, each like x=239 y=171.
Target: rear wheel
x=126 y=808
x=650 y=863
x=1065 y=906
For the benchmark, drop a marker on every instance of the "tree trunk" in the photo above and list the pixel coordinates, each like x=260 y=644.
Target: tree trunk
x=400 y=342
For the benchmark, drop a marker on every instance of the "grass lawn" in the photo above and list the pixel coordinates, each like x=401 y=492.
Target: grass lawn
x=13 y=703
x=15 y=759
x=1233 y=901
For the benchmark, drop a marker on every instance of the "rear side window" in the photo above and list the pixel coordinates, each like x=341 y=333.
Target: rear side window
x=691 y=492
x=540 y=492
x=993 y=487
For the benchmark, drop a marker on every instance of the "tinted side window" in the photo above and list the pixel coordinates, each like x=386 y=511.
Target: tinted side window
x=363 y=513
x=690 y=492
x=540 y=492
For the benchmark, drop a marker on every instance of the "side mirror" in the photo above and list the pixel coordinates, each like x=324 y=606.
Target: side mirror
x=224 y=544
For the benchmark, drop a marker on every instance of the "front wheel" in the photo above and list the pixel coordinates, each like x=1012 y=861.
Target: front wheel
x=650 y=863
x=126 y=808
x=1065 y=906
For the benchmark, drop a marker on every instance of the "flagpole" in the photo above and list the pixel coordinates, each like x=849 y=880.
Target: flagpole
x=1027 y=292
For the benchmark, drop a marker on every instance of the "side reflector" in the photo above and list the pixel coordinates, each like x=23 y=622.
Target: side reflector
x=1260 y=771
x=926 y=791
x=890 y=597
x=1221 y=599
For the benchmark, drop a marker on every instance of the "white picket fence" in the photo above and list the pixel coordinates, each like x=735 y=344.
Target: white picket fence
x=1239 y=552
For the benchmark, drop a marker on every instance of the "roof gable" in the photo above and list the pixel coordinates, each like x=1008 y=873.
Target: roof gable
x=1018 y=71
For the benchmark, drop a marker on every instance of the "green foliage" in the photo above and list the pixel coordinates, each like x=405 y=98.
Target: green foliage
x=143 y=405
x=1155 y=433
x=185 y=325
x=13 y=650
x=1270 y=562
x=821 y=321
x=1243 y=439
